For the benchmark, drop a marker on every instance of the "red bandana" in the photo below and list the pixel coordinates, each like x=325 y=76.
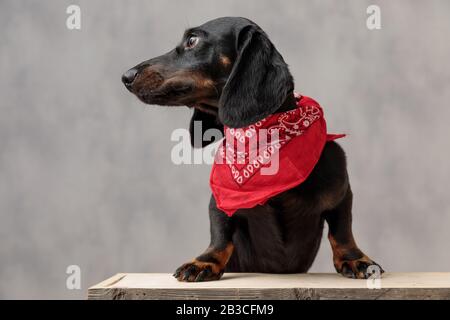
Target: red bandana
x=248 y=172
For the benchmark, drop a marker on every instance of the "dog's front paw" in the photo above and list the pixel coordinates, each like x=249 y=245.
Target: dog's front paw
x=361 y=268
x=198 y=271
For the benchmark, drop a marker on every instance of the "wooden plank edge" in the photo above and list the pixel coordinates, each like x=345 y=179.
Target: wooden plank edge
x=96 y=293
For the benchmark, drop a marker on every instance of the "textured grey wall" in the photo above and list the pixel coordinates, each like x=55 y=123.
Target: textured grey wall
x=85 y=170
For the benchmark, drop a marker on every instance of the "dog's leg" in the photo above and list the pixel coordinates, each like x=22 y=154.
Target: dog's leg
x=348 y=259
x=210 y=265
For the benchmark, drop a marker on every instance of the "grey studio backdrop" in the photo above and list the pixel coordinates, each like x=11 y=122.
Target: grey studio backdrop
x=86 y=176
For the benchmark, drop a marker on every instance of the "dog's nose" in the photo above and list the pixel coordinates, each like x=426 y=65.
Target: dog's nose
x=129 y=76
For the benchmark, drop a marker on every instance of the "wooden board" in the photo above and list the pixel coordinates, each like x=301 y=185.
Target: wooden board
x=424 y=285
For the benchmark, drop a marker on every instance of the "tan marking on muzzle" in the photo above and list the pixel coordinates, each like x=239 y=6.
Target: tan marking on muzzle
x=149 y=79
x=225 y=61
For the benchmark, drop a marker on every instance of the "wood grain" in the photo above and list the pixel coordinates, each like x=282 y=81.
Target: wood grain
x=273 y=286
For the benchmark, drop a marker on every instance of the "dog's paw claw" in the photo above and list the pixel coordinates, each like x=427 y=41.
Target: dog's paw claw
x=362 y=268
x=198 y=271
x=203 y=275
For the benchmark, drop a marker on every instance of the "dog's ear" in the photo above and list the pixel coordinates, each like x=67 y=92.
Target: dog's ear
x=200 y=122
x=258 y=83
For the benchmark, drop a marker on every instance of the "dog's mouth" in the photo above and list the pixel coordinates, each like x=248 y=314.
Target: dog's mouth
x=166 y=96
x=177 y=96
x=185 y=94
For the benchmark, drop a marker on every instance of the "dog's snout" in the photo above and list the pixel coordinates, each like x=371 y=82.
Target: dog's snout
x=129 y=76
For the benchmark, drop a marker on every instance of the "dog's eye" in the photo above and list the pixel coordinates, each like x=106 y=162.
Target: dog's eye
x=191 y=42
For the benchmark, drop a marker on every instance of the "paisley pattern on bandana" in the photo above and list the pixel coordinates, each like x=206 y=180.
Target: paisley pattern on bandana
x=286 y=126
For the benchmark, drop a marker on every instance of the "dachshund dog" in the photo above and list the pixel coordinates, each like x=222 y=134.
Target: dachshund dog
x=230 y=73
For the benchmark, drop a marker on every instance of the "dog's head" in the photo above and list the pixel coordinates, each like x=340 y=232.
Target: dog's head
x=227 y=69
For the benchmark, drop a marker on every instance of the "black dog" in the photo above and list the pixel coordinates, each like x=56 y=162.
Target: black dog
x=230 y=73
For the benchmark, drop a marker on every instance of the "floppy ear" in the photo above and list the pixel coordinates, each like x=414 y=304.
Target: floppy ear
x=259 y=81
x=205 y=121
